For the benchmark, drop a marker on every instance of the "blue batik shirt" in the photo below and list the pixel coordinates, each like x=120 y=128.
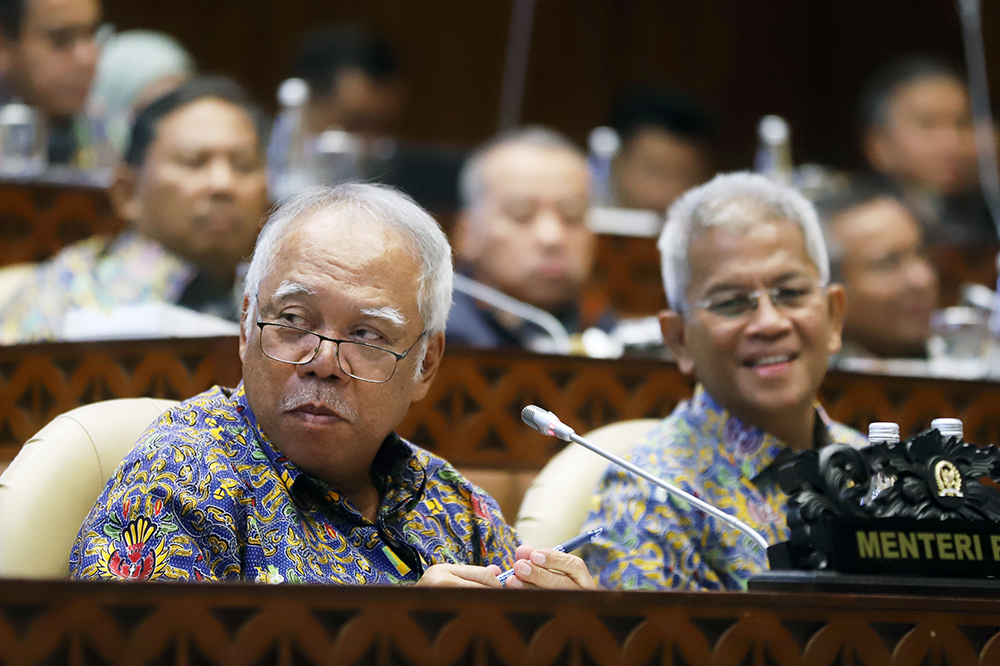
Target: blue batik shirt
x=659 y=542
x=204 y=495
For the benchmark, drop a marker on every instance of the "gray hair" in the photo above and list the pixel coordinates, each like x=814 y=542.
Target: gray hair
x=472 y=184
x=365 y=204
x=734 y=202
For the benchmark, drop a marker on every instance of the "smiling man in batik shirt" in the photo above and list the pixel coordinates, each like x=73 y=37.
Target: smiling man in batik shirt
x=753 y=319
x=296 y=475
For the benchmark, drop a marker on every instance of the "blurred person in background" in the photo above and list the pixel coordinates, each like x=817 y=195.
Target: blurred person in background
x=135 y=68
x=48 y=54
x=354 y=83
x=665 y=145
x=523 y=231
x=192 y=192
x=919 y=142
x=877 y=252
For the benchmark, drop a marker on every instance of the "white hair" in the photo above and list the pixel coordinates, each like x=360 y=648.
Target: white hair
x=472 y=183
x=734 y=202
x=362 y=204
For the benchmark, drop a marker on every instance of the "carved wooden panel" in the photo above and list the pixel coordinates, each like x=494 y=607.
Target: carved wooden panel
x=471 y=414
x=157 y=623
x=627 y=275
x=37 y=220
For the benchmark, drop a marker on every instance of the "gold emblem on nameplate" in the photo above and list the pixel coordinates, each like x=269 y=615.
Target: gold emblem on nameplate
x=948 y=479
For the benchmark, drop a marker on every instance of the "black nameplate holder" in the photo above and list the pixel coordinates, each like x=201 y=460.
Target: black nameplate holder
x=928 y=506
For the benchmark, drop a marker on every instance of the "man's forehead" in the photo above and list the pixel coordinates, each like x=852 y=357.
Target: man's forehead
x=720 y=252
x=55 y=14
x=202 y=120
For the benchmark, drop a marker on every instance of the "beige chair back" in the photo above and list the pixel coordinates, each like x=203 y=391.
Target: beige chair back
x=556 y=505
x=57 y=476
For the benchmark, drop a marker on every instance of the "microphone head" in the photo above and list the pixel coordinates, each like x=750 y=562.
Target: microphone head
x=535 y=417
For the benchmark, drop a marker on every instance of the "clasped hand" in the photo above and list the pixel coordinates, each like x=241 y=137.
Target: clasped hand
x=534 y=568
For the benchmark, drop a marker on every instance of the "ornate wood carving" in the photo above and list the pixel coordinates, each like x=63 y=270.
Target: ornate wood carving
x=472 y=412
x=37 y=220
x=133 y=623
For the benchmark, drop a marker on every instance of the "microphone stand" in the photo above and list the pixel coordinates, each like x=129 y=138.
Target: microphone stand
x=548 y=423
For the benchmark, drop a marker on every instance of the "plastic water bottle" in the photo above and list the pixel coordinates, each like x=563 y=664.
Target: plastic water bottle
x=774 y=150
x=288 y=153
x=23 y=140
x=603 y=144
x=881 y=432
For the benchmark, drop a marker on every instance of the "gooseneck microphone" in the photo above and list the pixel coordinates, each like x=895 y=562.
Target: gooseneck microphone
x=548 y=423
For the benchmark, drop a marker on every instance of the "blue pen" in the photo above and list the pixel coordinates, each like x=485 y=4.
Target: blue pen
x=565 y=547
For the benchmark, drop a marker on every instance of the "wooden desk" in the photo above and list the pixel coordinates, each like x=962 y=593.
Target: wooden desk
x=160 y=623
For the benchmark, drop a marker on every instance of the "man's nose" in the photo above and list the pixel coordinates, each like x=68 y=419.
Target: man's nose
x=767 y=318
x=221 y=175
x=86 y=51
x=326 y=363
x=920 y=273
x=549 y=228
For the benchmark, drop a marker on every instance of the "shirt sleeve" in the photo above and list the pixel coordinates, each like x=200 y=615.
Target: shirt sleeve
x=498 y=539
x=649 y=542
x=167 y=513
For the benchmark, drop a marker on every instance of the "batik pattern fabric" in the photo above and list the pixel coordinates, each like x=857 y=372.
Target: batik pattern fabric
x=97 y=273
x=205 y=495
x=655 y=541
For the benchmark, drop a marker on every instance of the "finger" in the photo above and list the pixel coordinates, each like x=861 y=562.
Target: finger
x=494 y=569
x=554 y=570
x=478 y=575
x=523 y=552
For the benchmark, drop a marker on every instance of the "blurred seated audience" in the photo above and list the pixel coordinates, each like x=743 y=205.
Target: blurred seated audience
x=48 y=53
x=877 y=252
x=919 y=141
x=135 y=68
x=665 y=143
x=192 y=192
x=754 y=319
x=354 y=83
x=523 y=231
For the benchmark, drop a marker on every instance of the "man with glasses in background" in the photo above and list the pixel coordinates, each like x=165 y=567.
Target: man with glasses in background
x=296 y=475
x=753 y=319
x=48 y=56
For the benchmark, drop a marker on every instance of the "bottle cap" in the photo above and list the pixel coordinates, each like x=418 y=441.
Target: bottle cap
x=17 y=113
x=883 y=431
x=603 y=142
x=773 y=130
x=293 y=92
x=948 y=427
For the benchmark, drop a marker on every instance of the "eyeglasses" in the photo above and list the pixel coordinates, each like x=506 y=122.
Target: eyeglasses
x=734 y=305
x=298 y=346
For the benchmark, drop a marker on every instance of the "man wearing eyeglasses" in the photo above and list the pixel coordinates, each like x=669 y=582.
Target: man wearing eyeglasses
x=296 y=475
x=754 y=320
x=48 y=56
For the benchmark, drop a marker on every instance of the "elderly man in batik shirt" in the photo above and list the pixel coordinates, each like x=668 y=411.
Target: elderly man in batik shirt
x=753 y=319
x=296 y=475
x=193 y=193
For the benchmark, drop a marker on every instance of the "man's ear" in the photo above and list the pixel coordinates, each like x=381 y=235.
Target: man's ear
x=675 y=338
x=836 y=302
x=432 y=361
x=464 y=238
x=243 y=329
x=123 y=193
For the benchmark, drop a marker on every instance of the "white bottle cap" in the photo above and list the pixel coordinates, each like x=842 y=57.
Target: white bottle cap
x=773 y=130
x=883 y=431
x=293 y=92
x=17 y=113
x=948 y=427
x=603 y=142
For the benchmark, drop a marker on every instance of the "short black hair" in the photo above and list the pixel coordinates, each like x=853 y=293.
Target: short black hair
x=673 y=111
x=11 y=17
x=147 y=121
x=876 y=100
x=323 y=53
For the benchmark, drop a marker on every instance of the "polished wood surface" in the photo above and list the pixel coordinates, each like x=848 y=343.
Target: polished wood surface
x=181 y=624
x=471 y=416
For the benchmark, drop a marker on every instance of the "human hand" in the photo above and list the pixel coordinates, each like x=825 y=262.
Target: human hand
x=460 y=575
x=544 y=568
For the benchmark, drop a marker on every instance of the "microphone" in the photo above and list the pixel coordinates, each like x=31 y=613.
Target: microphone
x=548 y=423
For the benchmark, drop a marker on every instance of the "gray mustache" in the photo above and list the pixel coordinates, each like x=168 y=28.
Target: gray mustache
x=320 y=395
